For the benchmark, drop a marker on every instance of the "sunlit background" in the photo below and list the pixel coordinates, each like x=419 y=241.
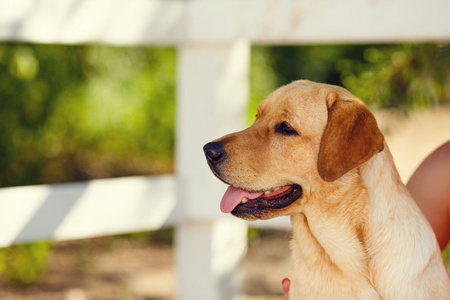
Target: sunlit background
x=71 y=113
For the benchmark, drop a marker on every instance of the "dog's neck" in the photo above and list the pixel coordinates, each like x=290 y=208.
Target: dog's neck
x=398 y=236
x=329 y=243
x=352 y=247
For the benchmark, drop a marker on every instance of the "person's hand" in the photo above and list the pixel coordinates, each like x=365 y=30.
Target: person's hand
x=286 y=285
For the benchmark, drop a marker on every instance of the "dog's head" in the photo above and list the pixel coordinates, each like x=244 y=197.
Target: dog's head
x=306 y=136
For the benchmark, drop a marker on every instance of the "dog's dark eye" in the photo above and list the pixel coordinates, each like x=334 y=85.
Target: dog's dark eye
x=286 y=129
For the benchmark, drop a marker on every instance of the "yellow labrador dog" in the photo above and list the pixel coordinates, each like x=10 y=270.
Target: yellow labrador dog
x=315 y=153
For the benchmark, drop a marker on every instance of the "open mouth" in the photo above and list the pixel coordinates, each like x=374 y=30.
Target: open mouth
x=240 y=202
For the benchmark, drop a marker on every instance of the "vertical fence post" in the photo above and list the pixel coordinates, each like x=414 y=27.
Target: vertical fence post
x=212 y=92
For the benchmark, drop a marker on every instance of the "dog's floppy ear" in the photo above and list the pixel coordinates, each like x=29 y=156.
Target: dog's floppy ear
x=351 y=137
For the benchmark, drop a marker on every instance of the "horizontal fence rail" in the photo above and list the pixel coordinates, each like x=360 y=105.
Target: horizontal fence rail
x=94 y=208
x=86 y=209
x=174 y=22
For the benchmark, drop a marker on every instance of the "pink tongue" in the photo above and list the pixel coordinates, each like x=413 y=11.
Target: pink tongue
x=233 y=196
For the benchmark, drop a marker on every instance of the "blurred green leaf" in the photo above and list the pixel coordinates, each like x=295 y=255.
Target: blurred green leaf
x=72 y=113
x=24 y=264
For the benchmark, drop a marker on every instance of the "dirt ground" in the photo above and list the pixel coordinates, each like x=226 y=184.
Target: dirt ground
x=130 y=269
x=141 y=270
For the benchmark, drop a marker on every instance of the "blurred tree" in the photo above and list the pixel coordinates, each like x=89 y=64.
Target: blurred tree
x=31 y=80
x=79 y=112
x=409 y=75
x=406 y=75
x=72 y=113
x=272 y=67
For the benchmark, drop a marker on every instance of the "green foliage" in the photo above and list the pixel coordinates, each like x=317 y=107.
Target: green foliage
x=263 y=79
x=31 y=80
x=407 y=75
x=72 y=113
x=272 y=67
x=24 y=264
x=446 y=257
x=399 y=75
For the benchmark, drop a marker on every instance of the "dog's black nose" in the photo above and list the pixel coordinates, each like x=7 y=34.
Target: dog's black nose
x=214 y=152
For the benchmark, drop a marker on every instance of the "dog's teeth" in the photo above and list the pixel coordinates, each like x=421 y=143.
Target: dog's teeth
x=244 y=200
x=267 y=192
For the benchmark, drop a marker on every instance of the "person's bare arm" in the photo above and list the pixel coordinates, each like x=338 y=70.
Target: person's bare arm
x=429 y=186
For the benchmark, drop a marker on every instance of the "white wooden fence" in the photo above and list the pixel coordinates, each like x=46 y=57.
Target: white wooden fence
x=213 y=39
